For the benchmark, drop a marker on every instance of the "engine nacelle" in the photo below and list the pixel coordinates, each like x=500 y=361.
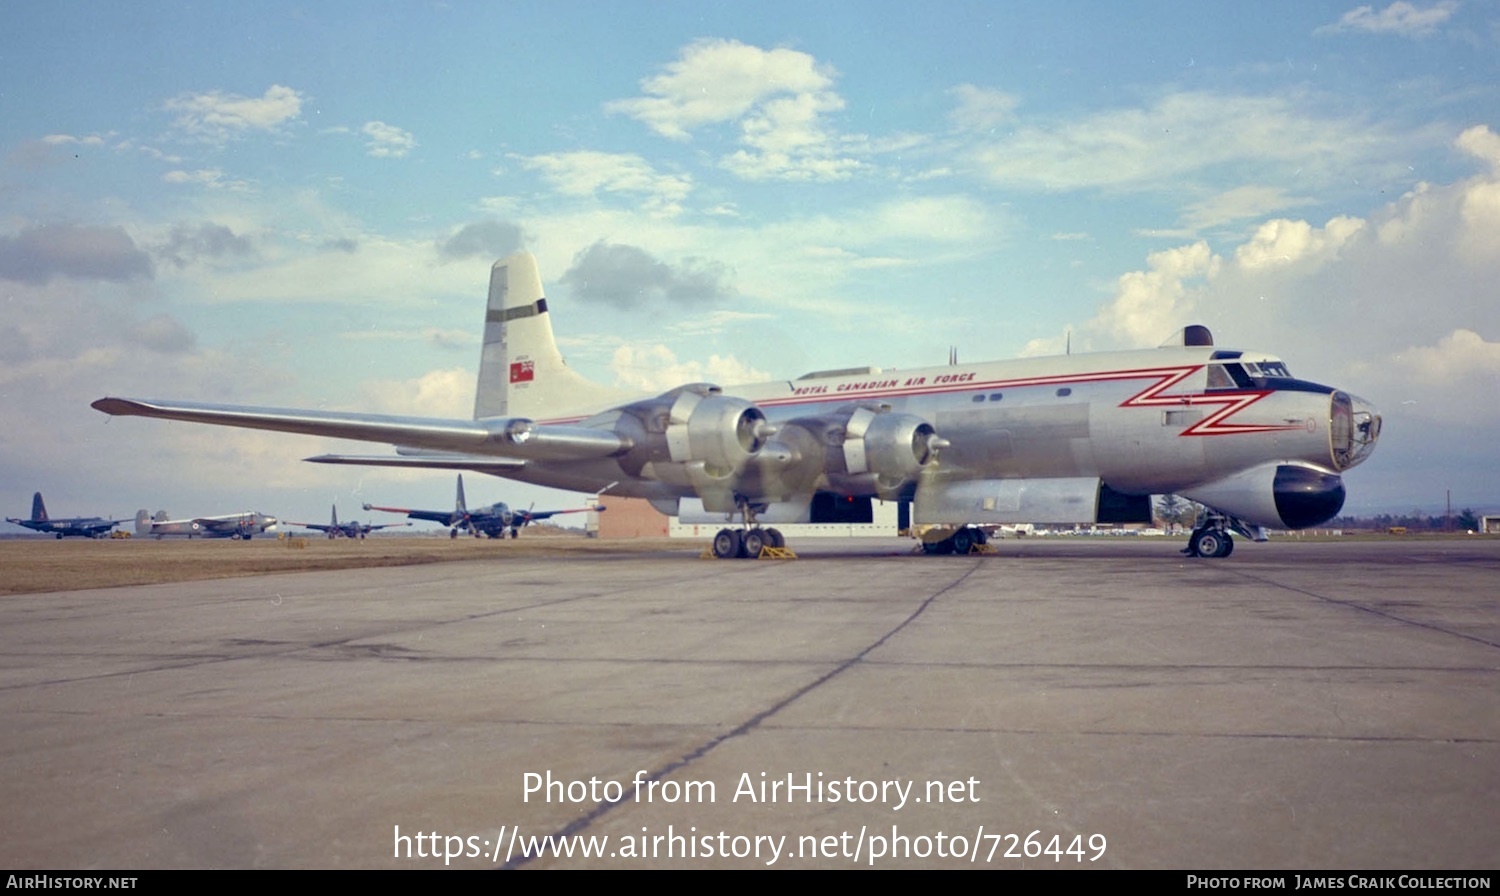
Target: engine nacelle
x=864 y=450
x=1280 y=496
x=894 y=448
x=718 y=431
x=692 y=437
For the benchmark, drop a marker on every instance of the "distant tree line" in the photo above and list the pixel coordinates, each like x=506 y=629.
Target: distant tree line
x=1172 y=510
x=1416 y=521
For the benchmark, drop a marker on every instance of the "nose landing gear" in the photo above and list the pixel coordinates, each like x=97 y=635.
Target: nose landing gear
x=1209 y=541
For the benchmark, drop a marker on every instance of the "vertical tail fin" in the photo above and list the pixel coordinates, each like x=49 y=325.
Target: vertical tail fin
x=459 y=507
x=38 y=509
x=143 y=522
x=335 y=518
x=521 y=372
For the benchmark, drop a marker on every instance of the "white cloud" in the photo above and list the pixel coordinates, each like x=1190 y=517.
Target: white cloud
x=1460 y=356
x=591 y=173
x=780 y=99
x=70 y=140
x=218 y=116
x=982 y=108
x=387 y=141
x=1400 y=18
x=1283 y=241
x=213 y=178
x=1178 y=137
x=447 y=394
x=1150 y=305
x=718 y=81
x=1239 y=204
x=654 y=368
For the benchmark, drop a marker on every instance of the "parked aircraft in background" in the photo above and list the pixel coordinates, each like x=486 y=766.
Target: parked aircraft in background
x=336 y=529
x=83 y=526
x=495 y=520
x=232 y=525
x=1085 y=438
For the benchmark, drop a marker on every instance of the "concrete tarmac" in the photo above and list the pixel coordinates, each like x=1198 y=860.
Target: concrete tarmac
x=1061 y=704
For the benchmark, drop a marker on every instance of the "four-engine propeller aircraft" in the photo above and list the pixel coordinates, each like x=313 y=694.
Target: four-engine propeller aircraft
x=239 y=526
x=495 y=520
x=83 y=526
x=336 y=529
x=1084 y=438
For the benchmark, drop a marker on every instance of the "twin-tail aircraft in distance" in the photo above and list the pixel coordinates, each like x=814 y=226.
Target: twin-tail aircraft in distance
x=336 y=529
x=238 y=526
x=496 y=520
x=82 y=526
x=1083 y=439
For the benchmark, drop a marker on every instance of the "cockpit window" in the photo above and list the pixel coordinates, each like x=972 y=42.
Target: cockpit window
x=1225 y=376
x=1268 y=369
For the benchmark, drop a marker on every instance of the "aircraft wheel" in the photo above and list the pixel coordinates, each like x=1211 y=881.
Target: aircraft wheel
x=59 y=536
x=452 y=534
x=1211 y=543
x=727 y=544
x=937 y=548
x=963 y=541
x=753 y=541
x=774 y=538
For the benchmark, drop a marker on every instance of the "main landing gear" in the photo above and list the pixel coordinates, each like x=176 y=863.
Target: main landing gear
x=960 y=541
x=749 y=541
x=732 y=543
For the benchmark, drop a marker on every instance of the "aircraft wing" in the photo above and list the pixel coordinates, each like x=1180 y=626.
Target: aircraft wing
x=478 y=463
x=532 y=516
x=446 y=517
x=506 y=437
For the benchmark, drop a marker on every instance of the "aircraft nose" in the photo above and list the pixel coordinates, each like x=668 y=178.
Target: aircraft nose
x=1355 y=429
x=1366 y=429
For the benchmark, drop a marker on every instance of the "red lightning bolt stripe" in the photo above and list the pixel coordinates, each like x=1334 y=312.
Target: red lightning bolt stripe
x=1215 y=424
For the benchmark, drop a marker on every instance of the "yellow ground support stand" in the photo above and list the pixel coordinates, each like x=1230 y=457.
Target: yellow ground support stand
x=766 y=553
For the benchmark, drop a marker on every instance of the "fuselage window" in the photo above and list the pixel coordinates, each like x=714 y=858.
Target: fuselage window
x=1218 y=377
x=996 y=396
x=1064 y=392
x=977 y=398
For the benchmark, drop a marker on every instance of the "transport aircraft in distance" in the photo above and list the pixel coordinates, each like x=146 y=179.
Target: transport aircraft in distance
x=82 y=526
x=238 y=526
x=1082 y=438
x=497 y=520
x=352 y=529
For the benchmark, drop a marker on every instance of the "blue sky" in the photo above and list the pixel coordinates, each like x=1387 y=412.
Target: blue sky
x=297 y=204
